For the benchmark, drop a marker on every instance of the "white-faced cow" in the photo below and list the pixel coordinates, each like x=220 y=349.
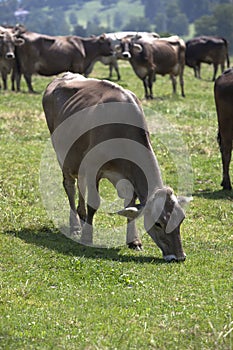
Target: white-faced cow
x=111 y=61
x=149 y=57
x=98 y=130
x=51 y=55
x=223 y=93
x=8 y=41
x=207 y=49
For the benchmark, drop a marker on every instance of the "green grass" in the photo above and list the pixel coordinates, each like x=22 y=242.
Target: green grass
x=57 y=294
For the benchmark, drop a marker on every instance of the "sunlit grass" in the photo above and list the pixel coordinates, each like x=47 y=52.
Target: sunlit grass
x=57 y=294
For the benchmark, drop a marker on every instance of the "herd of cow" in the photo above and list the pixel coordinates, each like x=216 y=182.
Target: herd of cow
x=26 y=53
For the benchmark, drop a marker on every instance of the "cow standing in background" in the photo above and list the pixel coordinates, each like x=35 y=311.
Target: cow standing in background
x=111 y=61
x=87 y=119
x=8 y=42
x=149 y=57
x=51 y=55
x=207 y=49
x=223 y=93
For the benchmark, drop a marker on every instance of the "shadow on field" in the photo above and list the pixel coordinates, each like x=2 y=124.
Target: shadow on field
x=221 y=194
x=54 y=240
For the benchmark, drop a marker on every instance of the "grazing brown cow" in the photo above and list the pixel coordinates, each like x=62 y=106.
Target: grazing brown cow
x=51 y=55
x=223 y=93
x=207 y=49
x=8 y=41
x=99 y=131
x=149 y=56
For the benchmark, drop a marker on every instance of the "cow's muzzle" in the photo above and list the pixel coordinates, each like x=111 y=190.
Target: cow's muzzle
x=10 y=55
x=174 y=258
x=126 y=54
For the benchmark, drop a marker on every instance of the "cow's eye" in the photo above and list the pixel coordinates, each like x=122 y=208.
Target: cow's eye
x=158 y=225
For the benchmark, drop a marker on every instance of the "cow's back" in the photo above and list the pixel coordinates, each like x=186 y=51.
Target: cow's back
x=87 y=112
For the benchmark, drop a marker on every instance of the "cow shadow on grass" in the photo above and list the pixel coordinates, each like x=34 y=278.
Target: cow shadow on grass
x=56 y=241
x=216 y=195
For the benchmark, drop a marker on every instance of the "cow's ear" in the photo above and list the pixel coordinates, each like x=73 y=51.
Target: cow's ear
x=137 y=48
x=102 y=37
x=117 y=48
x=130 y=212
x=19 y=41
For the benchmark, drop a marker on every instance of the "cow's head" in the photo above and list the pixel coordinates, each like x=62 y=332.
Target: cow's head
x=105 y=45
x=7 y=45
x=163 y=215
x=127 y=48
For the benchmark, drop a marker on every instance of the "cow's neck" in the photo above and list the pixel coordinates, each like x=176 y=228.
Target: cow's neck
x=91 y=48
x=145 y=184
x=143 y=180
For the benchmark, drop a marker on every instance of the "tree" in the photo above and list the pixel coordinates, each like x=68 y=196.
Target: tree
x=223 y=15
x=138 y=24
x=79 y=31
x=177 y=22
x=205 y=25
x=219 y=23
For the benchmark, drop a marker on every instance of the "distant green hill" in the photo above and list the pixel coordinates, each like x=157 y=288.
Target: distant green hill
x=115 y=16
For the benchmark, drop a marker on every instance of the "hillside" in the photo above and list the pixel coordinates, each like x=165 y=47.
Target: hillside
x=106 y=16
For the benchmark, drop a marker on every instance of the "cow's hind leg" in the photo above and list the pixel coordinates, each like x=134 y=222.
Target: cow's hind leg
x=93 y=203
x=173 y=79
x=215 y=71
x=226 y=149
x=69 y=186
x=181 y=77
x=81 y=209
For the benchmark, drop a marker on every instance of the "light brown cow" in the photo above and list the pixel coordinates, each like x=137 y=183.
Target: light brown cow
x=223 y=93
x=51 y=55
x=149 y=57
x=8 y=41
x=98 y=130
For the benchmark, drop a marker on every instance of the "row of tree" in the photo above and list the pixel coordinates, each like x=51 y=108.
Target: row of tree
x=163 y=16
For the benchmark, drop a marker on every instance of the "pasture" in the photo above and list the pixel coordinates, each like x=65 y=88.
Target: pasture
x=57 y=294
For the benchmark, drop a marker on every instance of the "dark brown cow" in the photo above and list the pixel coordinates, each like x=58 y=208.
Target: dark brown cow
x=207 y=49
x=149 y=56
x=223 y=92
x=51 y=55
x=99 y=131
x=7 y=52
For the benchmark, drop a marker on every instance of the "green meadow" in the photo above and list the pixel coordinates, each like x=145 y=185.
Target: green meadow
x=58 y=294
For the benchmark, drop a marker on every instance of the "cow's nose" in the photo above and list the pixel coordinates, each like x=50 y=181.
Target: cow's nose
x=126 y=54
x=10 y=55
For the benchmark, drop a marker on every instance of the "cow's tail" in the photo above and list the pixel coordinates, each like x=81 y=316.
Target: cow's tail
x=227 y=55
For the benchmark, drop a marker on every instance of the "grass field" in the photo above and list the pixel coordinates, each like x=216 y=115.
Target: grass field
x=57 y=294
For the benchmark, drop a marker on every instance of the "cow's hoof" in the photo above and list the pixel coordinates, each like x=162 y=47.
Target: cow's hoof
x=136 y=245
x=226 y=185
x=87 y=235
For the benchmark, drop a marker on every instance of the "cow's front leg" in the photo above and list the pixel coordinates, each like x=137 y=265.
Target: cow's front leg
x=132 y=239
x=226 y=149
x=69 y=186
